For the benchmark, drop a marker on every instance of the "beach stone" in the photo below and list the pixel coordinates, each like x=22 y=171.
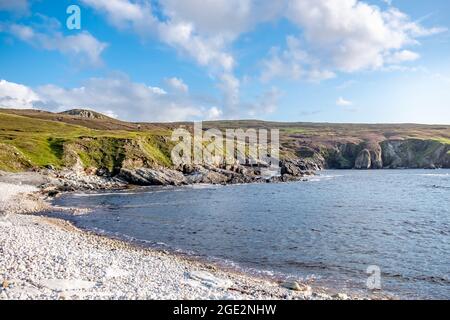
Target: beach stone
x=66 y=284
x=115 y=273
x=5 y=284
x=341 y=296
x=210 y=280
x=293 y=285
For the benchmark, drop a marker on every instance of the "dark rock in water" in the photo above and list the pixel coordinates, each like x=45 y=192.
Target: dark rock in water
x=290 y=169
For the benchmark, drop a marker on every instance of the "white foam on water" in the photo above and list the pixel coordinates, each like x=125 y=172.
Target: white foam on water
x=323 y=177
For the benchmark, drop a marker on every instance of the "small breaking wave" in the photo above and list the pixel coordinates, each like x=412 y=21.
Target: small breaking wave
x=434 y=174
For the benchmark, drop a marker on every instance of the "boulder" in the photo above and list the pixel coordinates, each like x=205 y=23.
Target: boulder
x=67 y=284
x=146 y=177
x=209 y=280
x=295 y=286
x=290 y=168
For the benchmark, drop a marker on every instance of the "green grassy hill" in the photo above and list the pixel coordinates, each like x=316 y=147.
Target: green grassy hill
x=30 y=142
x=35 y=139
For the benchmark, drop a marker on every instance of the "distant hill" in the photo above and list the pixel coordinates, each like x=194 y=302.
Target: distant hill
x=88 y=114
x=34 y=139
x=86 y=118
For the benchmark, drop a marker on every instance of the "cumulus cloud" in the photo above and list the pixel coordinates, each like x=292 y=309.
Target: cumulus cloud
x=83 y=47
x=202 y=30
x=402 y=56
x=228 y=18
x=293 y=63
x=124 y=14
x=214 y=113
x=17 y=96
x=116 y=96
x=334 y=36
x=343 y=102
x=177 y=84
x=351 y=35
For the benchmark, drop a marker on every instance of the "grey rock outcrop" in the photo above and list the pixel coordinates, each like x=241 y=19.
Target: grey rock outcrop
x=414 y=153
x=391 y=154
x=146 y=176
x=364 y=160
x=290 y=168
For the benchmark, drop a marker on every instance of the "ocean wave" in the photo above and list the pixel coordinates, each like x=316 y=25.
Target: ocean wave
x=324 y=177
x=434 y=174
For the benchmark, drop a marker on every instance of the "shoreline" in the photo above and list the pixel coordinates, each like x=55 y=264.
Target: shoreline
x=50 y=258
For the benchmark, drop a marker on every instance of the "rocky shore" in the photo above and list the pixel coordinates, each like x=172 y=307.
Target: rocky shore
x=79 y=178
x=44 y=258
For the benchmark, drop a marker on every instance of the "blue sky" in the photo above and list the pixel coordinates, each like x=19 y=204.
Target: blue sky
x=169 y=60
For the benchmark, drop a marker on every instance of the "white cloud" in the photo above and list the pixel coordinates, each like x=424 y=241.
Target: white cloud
x=117 y=97
x=229 y=18
x=82 y=46
x=337 y=36
x=214 y=113
x=402 y=56
x=293 y=63
x=202 y=30
x=334 y=36
x=177 y=84
x=157 y=91
x=16 y=96
x=351 y=35
x=206 y=51
x=343 y=102
x=343 y=36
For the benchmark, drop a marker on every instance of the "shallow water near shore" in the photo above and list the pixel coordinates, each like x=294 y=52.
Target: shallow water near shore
x=331 y=228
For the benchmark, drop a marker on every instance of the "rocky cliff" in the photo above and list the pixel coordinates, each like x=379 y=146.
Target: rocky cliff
x=86 y=143
x=389 y=154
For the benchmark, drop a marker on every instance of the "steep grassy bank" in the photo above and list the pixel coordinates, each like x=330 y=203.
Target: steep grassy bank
x=27 y=143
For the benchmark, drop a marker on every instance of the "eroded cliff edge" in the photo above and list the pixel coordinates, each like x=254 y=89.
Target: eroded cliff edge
x=389 y=154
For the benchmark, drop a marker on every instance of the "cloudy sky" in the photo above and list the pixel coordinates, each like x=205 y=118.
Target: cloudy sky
x=285 y=60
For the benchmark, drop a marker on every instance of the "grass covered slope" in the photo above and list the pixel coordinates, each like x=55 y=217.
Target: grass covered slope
x=35 y=139
x=27 y=142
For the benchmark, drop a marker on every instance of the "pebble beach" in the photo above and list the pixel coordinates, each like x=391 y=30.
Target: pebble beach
x=47 y=258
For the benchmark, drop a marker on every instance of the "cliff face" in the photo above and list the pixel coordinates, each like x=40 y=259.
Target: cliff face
x=85 y=142
x=389 y=154
x=415 y=154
